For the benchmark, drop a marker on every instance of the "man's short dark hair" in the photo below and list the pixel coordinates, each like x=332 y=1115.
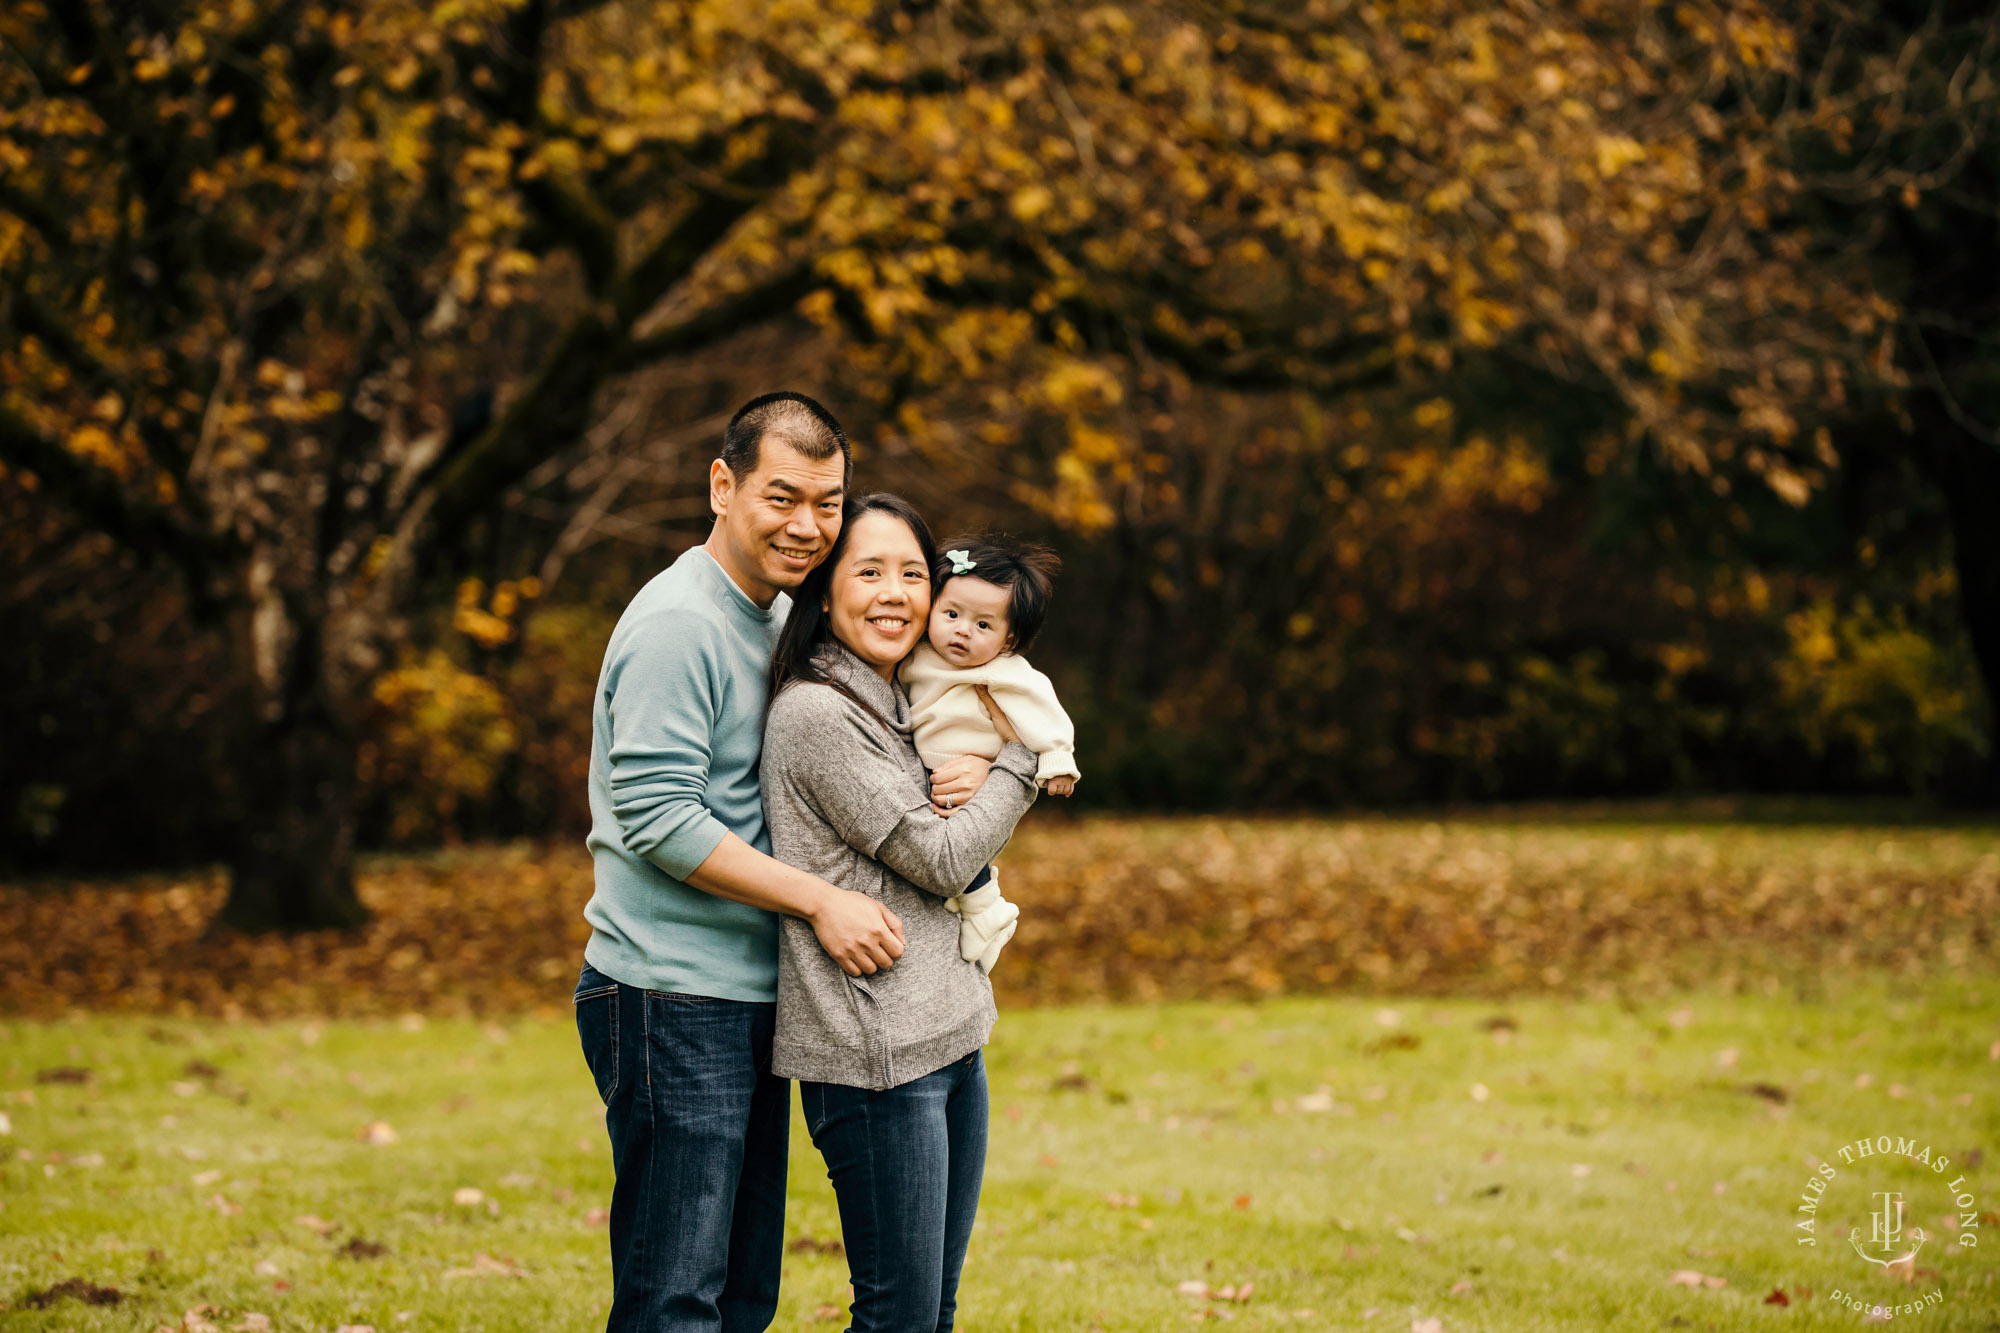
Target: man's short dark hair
x=791 y=417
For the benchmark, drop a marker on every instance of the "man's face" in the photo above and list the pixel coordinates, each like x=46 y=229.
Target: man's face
x=780 y=520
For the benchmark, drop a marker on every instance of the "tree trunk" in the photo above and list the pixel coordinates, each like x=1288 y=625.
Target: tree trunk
x=1967 y=470
x=293 y=867
x=294 y=863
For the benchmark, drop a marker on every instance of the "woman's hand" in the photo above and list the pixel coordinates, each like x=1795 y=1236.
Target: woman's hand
x=955 y=780
x=997 y=717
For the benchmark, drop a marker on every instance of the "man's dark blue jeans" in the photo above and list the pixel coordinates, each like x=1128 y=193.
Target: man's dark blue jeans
x=905 y=1165
x=699 y=1138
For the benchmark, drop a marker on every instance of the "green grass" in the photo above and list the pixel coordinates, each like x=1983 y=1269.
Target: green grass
x=1133 y=1149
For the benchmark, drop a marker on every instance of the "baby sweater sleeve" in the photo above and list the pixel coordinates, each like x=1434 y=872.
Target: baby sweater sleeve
x=1029 y=699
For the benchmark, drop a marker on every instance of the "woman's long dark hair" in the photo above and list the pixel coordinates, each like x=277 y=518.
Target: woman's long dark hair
x=809 y=628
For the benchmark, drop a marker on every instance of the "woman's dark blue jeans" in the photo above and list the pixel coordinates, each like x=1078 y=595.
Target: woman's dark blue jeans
x=700 y=1132
x=905 y=1165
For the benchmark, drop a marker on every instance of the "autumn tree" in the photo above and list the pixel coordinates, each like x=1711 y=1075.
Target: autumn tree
x=296 y=293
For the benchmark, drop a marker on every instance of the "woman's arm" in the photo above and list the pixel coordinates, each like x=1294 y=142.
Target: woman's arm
x=841 y=760
x=942 y=855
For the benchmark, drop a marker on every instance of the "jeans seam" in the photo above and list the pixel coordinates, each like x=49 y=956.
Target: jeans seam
x=642 y=1225
x=615 y=1062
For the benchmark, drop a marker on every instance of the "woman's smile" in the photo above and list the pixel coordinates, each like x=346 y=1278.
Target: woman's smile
x=880 y=595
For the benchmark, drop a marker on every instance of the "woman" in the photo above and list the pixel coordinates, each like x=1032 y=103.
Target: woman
x=889 y=1067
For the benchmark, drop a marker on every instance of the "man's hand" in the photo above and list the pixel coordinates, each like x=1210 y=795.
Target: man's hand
x=1062 y=786
x=857 y=932
x=955 y=780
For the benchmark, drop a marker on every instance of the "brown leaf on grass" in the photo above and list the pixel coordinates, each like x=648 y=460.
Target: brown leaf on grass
x=313 y=1222
x=64 y=1074
x=825 y=1313
x=1688 y=1277
x=1777 y=1297
x=1243 y=1201
x=357 y=1248
x=816 y=1245
x=380 y=1133
x=485 y=1265
x=597 y=1217
x=73 y=1289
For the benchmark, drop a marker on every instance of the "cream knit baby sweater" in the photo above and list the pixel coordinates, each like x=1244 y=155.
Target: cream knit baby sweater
x=949 y=721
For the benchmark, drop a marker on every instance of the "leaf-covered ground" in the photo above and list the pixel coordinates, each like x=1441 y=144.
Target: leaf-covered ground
x=1119 y=909
x=1547 y=1163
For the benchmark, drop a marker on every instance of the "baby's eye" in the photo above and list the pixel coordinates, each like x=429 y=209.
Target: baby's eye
x=951 y=615
x=984 y=625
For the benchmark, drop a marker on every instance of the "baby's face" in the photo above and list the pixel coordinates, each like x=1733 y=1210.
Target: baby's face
x=969 y=622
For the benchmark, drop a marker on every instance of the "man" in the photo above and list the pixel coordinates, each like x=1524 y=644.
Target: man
x=676 y=1003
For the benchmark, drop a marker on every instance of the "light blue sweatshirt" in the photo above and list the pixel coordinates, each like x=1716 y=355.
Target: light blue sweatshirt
x=677 y=730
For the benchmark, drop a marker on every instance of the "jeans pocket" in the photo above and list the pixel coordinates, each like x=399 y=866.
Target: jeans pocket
x=597 y=1028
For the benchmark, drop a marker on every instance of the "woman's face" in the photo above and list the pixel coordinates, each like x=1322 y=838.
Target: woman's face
x=880 y=595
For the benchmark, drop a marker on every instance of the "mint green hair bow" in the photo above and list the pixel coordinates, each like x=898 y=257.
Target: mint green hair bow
x=961 y=561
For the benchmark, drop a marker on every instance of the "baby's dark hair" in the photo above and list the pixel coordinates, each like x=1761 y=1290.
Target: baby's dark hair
x=1026 y=572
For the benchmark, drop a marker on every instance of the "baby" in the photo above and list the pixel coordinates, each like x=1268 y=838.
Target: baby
x=987 y=605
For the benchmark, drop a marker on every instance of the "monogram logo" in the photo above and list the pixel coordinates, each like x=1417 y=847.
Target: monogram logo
x=1888 y=1231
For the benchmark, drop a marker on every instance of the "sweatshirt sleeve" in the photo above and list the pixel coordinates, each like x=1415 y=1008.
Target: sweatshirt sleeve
x=1028 y=698
x=664 y=703
x=838 y=758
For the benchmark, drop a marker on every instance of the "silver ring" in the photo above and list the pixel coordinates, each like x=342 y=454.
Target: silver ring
x=947 y=803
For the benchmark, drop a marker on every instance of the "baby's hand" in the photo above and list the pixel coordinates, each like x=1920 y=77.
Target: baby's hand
x=1062 y=786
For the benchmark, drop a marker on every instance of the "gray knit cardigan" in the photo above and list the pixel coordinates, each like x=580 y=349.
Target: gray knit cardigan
x=846 y=798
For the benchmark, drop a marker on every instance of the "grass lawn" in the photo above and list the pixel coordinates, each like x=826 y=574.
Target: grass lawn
x=1377 y=1164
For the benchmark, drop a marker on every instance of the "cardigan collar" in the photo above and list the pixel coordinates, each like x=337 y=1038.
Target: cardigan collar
x=886 y=698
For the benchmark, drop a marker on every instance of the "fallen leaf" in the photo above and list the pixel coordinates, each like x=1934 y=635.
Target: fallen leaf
x=377 y=1132
x=485 y=1265
x=600 y=1217
x=1243 y=1201
x=312 y=1222
x=823 y=1313
x=74 y=1289
x=1777 y=1297
x=1462 y=1287
x=253 y=1323
x=1430 y=1325
x=265 y=1268
x=1194 y=1287
x=202 y=1178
